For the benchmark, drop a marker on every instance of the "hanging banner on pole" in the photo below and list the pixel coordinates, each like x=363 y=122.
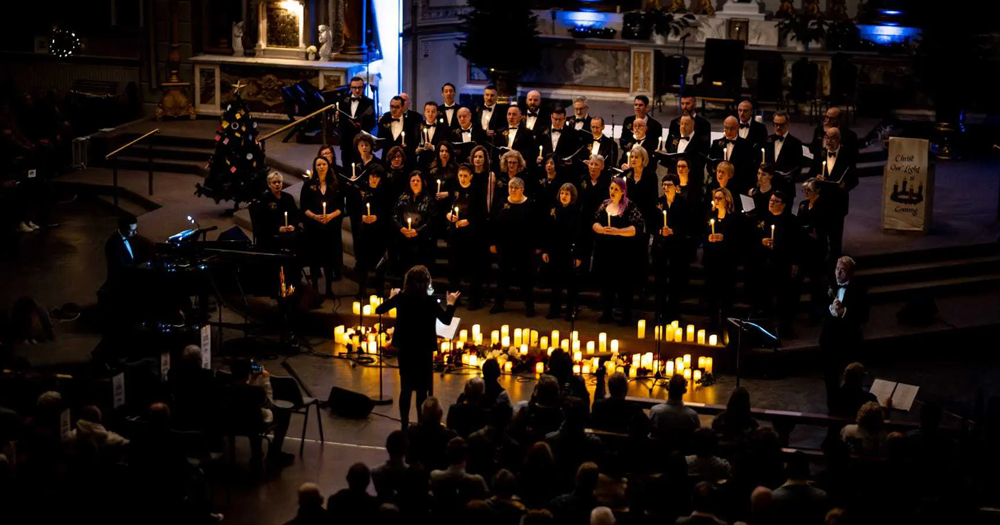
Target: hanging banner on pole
x=907 y=186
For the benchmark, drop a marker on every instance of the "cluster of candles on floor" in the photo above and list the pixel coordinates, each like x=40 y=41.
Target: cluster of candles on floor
x=524 y=344
x=364 y=339
x=673 y=333
x=367 y=310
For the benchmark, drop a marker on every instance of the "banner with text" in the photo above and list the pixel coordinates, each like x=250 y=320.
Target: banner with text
x=907 y=186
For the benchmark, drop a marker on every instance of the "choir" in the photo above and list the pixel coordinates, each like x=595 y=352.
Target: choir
x=551 y=199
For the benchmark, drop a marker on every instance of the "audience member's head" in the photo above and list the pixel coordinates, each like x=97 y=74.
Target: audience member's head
x=500 y=415
x=539 y=458
x=504 y=484
x=309 y=496
x=387 y=514
x=190 y=358
x=561 y=365
x=576 y=413
x=703 y=497
x=358 y=477
x=586 y=478
x=602 y=516
x=90 y=413
x=677 y=387
x=457 y=451
x=546 y=391
x=431 y=412
x=159 y=416
x=870 y=416
x=704 y=442
x=854 y=374
x=618 y=385
x=475 y=387
x=240 y=368
x=760 y=503
x=797 y=467
x=739 y=403
x=834 y=517
x=395 y=444
x=491 y=370
x=537 y=517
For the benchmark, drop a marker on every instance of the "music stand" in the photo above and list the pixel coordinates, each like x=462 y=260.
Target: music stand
x=751 y=326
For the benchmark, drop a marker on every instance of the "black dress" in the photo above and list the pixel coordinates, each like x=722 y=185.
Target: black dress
x=514 y=233
x=672 y=254
x=814 y=224
x=268 y=215
x=562 y=233
x=417 y=212
x=719 y=260
x=323 y=242
x=615 y=258
x=415 y=336
x=467 y=252
x=373 y=239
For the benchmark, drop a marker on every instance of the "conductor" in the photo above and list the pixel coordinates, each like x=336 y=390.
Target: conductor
x=415 y=336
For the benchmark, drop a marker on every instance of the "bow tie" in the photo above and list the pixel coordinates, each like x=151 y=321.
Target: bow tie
x=429 y=126
x=450 y=107
x=554 y=130
x=512 y=129
x=355 y=99
x=726 y=142
x=683 y=138
x=831 y=154
x=487 y=110
x=779 y=138
x=744 y=125
x=532 y=114
x=467 y=130
x=395 y=120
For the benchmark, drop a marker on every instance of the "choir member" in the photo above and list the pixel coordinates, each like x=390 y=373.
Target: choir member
x=327 y=153
x=775 y=255
x=432 y=131
x=784 y=152
x=580 y=121
x=560 y=252
x=689 y=186
x=492 y=186
x=600 y=144
x=672 y=248
x=640 y=107
x=445 y=166
x=364 y=145
x=356 y=115
x=719 y=255
x=724 y=179
x=515 y=137
x=277 y=220
x=832 y=119
x=323 y=207
x=535 y=118
x=449 y=109
x=641 y=180
x=490 y=116
x=413 y=216
x=738 y=152
x=593 y=191
x=559 y=142
x=547 y=184
x=761 y=194
x=512 y=165
x=467 y=257
x=835 y=168
x=814 y=218
x=513 y=239
x=702 y=127
x=466 y=132
x=686 y=142
x=375 y=198
x=411 y=117
x=750 y=129
x=395 y=129
x=617 y=224
x=397 y=178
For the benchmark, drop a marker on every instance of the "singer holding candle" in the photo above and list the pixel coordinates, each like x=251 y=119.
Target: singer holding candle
x=444 y=167
x=617 y=251
x=719 y=256
x=547 y=183
x=270 y=213
x=323 y=207
x=374 y=200
x=415 y=336
x=413 y=216
x=673 y=249
x=774 y=262
x=466 y=221
x=513 y=238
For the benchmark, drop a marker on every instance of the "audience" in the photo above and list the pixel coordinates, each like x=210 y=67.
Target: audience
x=454 y=487
x=867 y=437
x=504 y=504
x=671 y=421
x=388 y=477
x=311 y=511
x=468 y=414
x=428 y=438
x=797 y=502
x=575 y=507
x=354 y=504
x=852 y=393
x=736 y=422
x=613 y=413
x=571 y=445
x=491 y=448
x=704 y=464
x=703 y=502
x=495 y=393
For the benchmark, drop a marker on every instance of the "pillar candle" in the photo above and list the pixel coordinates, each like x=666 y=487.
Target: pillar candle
x=505 y=329
x=687 y=360
x=713 y=340
x=549 y=351
x=444 y=346
x=392 y=313
x=669 y=368
x=585 y=369
x=595 y=363
x=338 y=334
x=620 y=369
x=690 y=333
x=564 y=344
x=373 y=300
x=642 y=328
x=524 y=349
x=636 y=360
x=614 y=346
x=439 y=185
x=366 y=310
x=656 y=333
x=324 y=208
x=495 y=337
x=687 y=374
x=609 y=218
x=577 y=356
x=286 y=219
x=544 y=343
x=670 y=334
x=576 y=370
x=679 y=364
x=675 y=323
x=459 y=345
x=409 y=223
x=576 y=346
x=708 y=365
x=647 y=360
x=664 y=218
x=477 y=339
x=505 y=341
x=476 y=329
x=633 y=372
x=590 y=347
x=474 y=360
x=508 y=367
x=555 y=338
x=701 y=337
x=678 y=335
x=354 y=171
x=701 y=362
x=517 y=337
x=364 y=347
x=711 y=223
x=465 y=359
x=602 y=340
x=575 y=335
x=762 y=155
x=659 y=144
x=539 y=368
x=772 y=232
x=463 y=335
x=402 y=136
x=533 y=340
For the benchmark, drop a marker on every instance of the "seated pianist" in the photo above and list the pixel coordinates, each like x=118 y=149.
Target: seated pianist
x=277 y=223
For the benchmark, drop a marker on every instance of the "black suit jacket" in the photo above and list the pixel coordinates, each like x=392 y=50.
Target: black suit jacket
x=364 y=120
x=757 y=134
x=441 y=134
x=386 y=141
x=694 y=153
x=498 y=120
x=702 y=129
x=844 y=170
x=569 y=143
x=648 y=143
x=543 y=121
x=742 y=159
x=790 y=158
x=572 y=120
x=443 y=114
x=848 y=140
x=607 y=149
x=524 y=143
x=653 y=129
x=841 y=331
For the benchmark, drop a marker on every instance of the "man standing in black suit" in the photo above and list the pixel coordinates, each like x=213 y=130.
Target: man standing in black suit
x=432 y=132
x=580 y=121
x=357 y=114
x=516 y=138
x=640 y=137
x=559 y=140
x=702 y=127
x=685 y=142
x=394 y=129
x=738 y=152
x=831 y=119
x=640 y=107
x=750 y=129
x=408 y=111
x=841 y=337
x=606 y=146
x=467 y=131
x=783 y=151
x=490 y=116
x=449 y=109
x=535 y=119
x=835 y=167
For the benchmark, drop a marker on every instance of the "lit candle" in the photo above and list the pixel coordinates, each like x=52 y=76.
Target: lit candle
x=679 y=364
x=366 y=310
x=590 y=347
x=628 y=158
x=524 y=349
x=459 y=345
x=286 y=219
x=576 y=370
x=713 y=340
x=614 y=346
x=687 y=374
x=602 y=340
x=564 y=344
x=619 y=369
x=356 y=308
x=505 y=341
x=463 y=335
x=690 y=333
x=664 y=218
x=761 y=155
x=409 y=223
x=544 y=344
x=508 y=367
x=456 y=213
x=669 y=369
x=659 y=144
x=364 y=347
x=476 y=329
x=701 y=362
x=656 y=367
x=539 y=368
x=575 y=335
x=636 y=360
x=824 y=168
x=474 y=360
x=549 y=351
x=324 y=208
x=607 y=210
x=392 y=313
x=772 y=232
x=371 y=341
x=670 y=334
x=505 y=329
x=697 y=376
x=445 y=346
x=477 y=339
x=708 y=365
x=338 y=334
x=555 y=338
x=368 y=206
x=576 y=346
x=533 y=340
x=373 y=300
x=539 y=151
x=402 y=135
x=633 y=372
x=585 y=369
x=439 y=185
x=675 y=323
x=701 y=337
x=495 y=337
x=354 y=170
x=465 y=359
x=678 y=335
x=647 y=360
x=711 y=222
x=642 y=329
x=517 y=337
x=687 y=360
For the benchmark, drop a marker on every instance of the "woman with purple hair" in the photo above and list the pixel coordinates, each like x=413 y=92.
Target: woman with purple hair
x=617 y=225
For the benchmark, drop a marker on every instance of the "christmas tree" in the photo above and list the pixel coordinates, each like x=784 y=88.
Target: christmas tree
x=237 y=170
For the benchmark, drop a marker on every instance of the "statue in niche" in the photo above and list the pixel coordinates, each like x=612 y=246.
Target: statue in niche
x=702 y=7
x=786 y=10
x=238 y=38
x=836 y=10
x=325 y=43
x=810 y=8
x=677 y=6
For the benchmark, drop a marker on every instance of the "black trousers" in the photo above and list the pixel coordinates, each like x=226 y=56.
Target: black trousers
x=279 y=428
x=720 y=278
x=563 y=276
x=367 y=256
x=467 y=260
x=517 y=265
x=671 y=265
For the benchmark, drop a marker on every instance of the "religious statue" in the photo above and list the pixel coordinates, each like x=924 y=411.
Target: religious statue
x=836 y=10
x=651 y=5
x=677 y=6
x=238 y=38
x=702 y=7
x=785 y=10
x=326 y=43
x=810 y=8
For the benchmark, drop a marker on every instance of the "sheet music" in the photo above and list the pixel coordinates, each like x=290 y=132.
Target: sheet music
x=447 y=331
x=748 y=204
x=883 y=390
x=904 y=396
